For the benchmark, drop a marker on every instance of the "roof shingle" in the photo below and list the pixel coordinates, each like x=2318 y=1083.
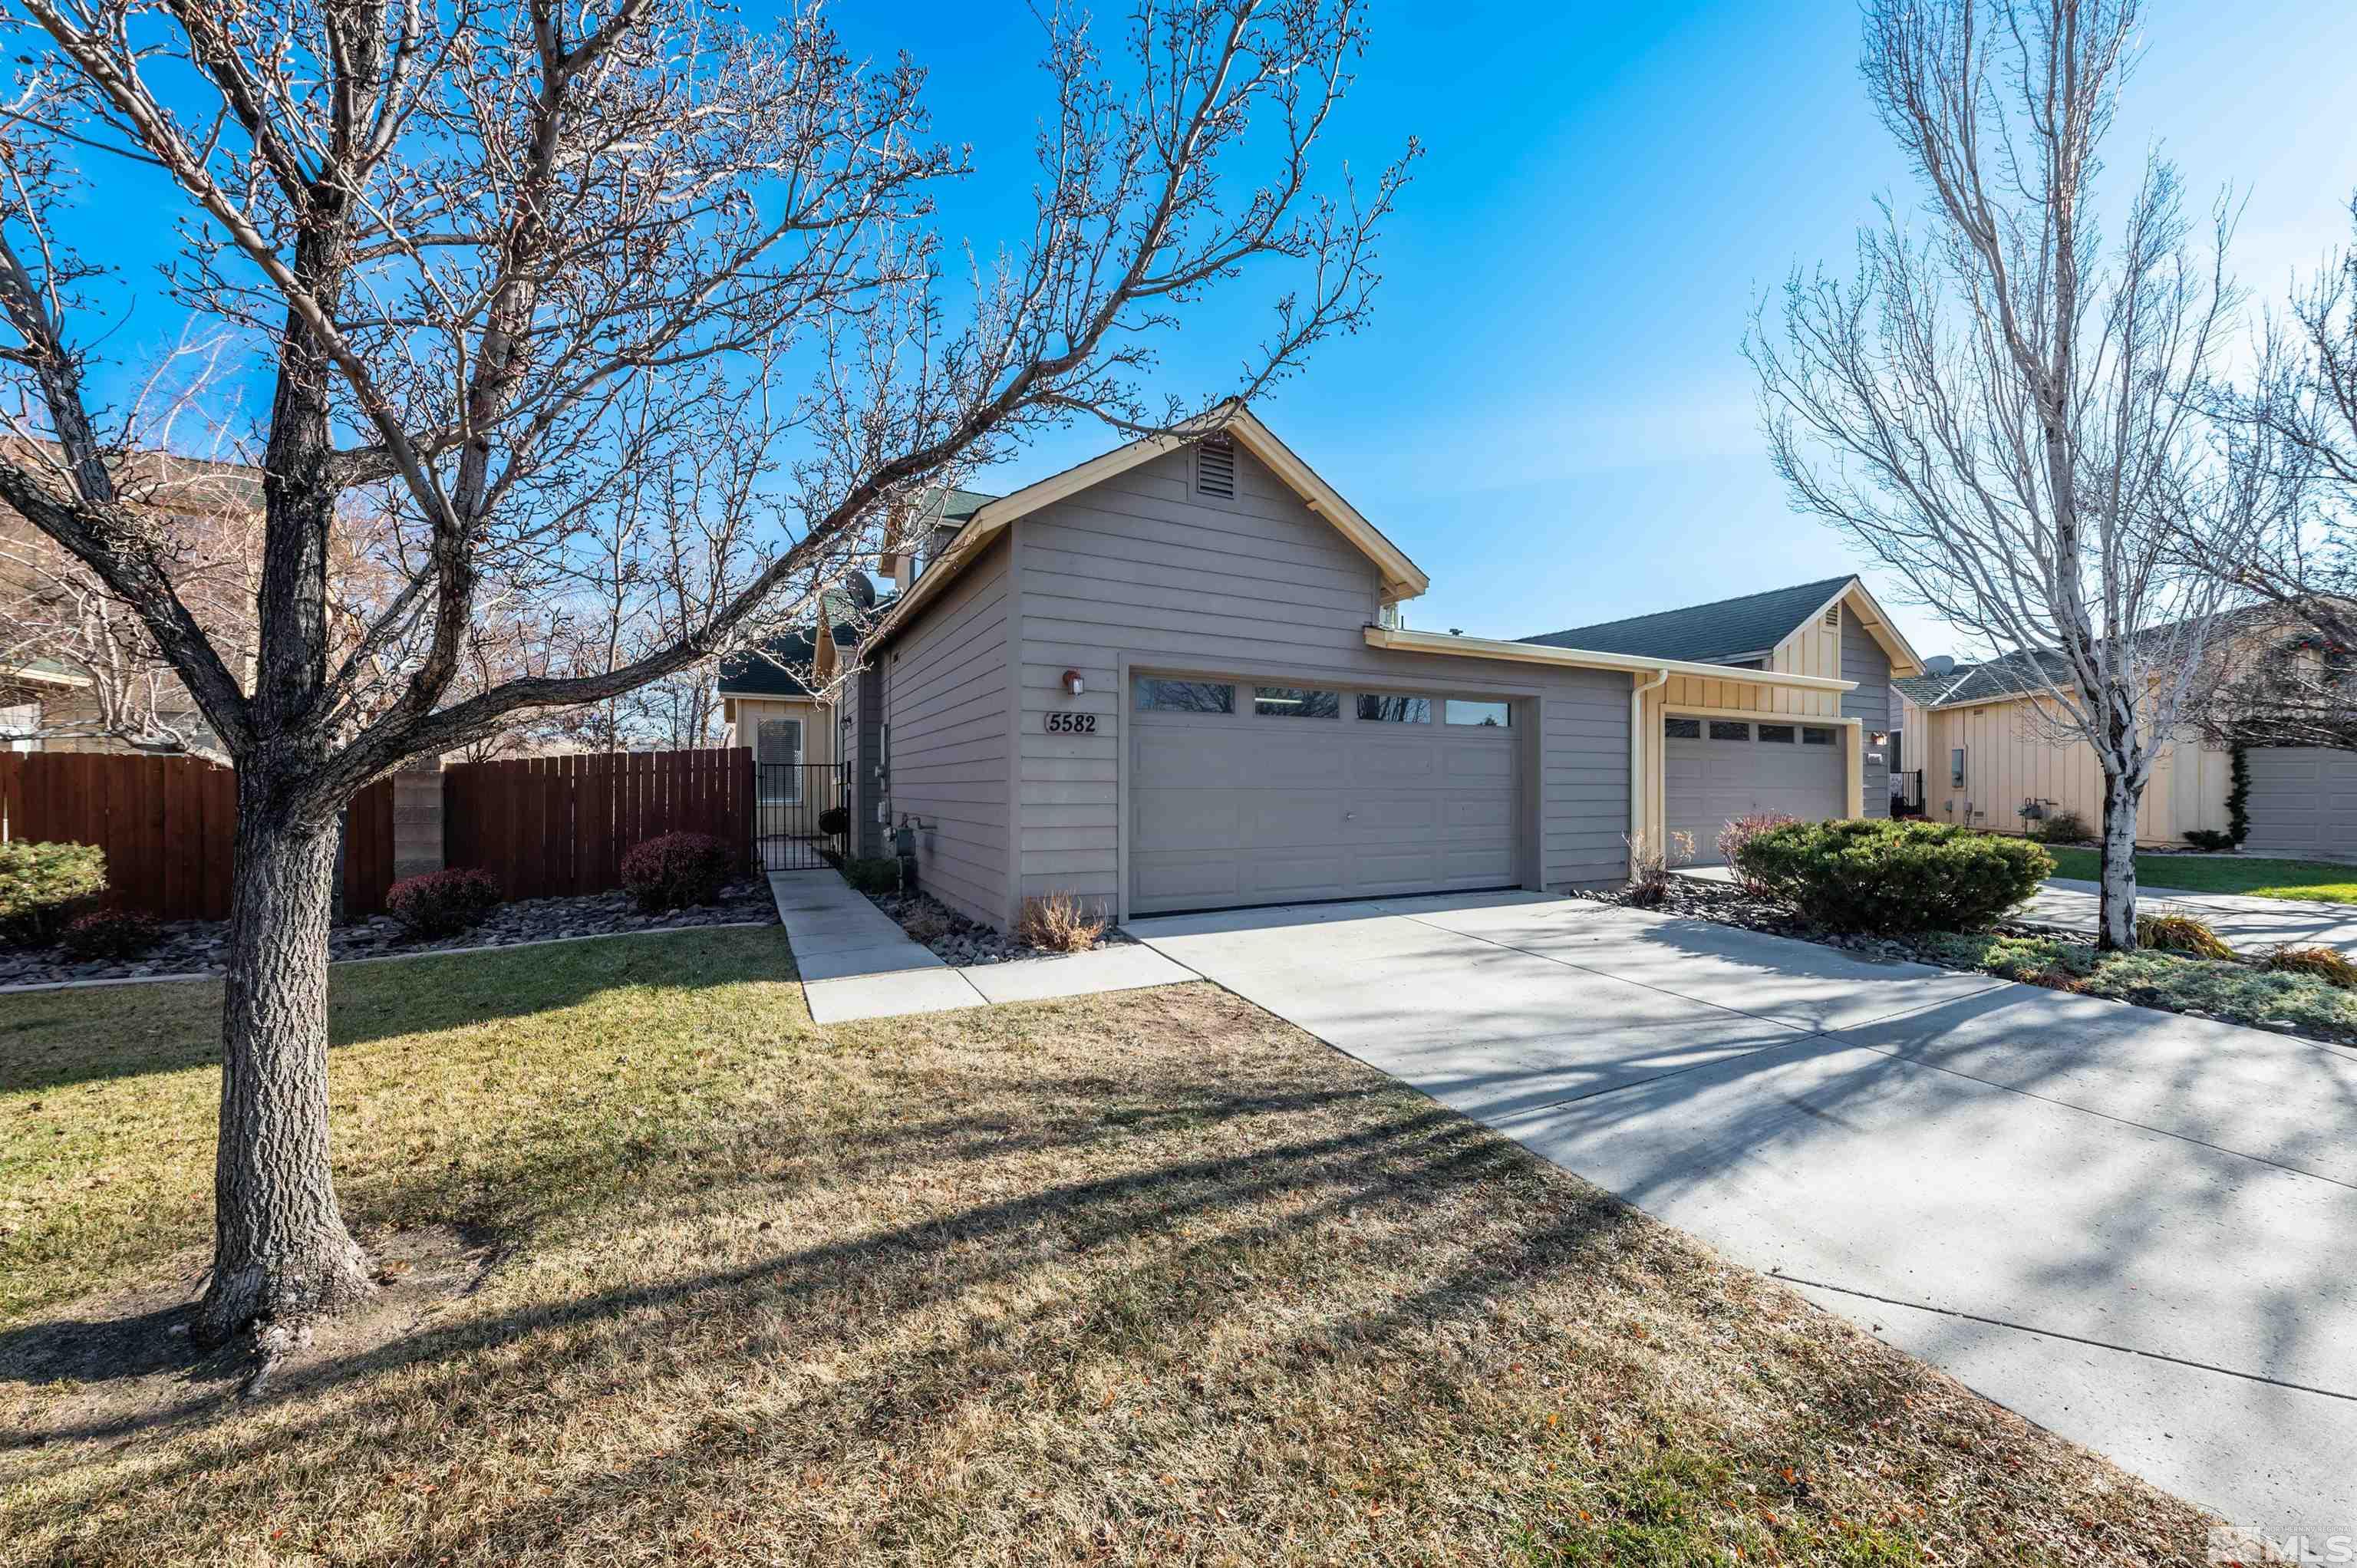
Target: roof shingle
x=1726 y=628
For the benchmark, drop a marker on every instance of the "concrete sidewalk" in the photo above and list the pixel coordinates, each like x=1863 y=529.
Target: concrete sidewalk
x=856 y=961
x=2244 y=923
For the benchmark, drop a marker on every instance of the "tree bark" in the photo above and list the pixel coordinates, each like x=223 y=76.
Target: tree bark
x=280 y=1249
x=2115 y=926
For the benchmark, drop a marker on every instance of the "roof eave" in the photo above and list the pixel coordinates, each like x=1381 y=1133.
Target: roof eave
x=1402 y=641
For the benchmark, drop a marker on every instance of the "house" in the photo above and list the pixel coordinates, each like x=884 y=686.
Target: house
x=1722 y=751
x=1175 y=677
x=779 y=699
x=1989 y=759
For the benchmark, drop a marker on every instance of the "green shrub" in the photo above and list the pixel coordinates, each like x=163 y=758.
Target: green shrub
x=2209 y=839
x=2327 y=965
x=43 y=885
x=673 y=870
x=2061 y=827
x=873 y=874
x=439 y=904
x=1867 y=875
x=2181 y=933
x=109 y=933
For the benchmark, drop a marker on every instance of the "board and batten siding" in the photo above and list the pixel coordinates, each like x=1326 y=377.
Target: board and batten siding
x=1863 y=661
x=1141 y=573
x=2010 y=757
x=945 y=710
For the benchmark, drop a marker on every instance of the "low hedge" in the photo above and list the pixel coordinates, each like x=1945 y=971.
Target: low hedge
x=436 y=904
x=676 y=871
x=1867 y=874
x=43 y=885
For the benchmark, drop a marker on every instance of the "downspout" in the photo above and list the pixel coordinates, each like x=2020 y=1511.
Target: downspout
x=1639 y=784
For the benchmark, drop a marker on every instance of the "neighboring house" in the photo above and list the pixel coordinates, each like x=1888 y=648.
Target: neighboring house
x=777 y=700
x=1716 y=755
x=1975 y=731
x=1174 y=678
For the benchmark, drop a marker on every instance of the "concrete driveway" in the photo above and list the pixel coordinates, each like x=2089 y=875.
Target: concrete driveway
x=2130 y=1227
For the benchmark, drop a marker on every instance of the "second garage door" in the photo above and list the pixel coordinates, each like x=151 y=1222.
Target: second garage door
x=2303 y=800
x=1245 y=793
x=1714 y=770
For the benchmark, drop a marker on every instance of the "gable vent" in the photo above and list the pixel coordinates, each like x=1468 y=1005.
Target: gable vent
x=1215 y=467
x=1833 y=619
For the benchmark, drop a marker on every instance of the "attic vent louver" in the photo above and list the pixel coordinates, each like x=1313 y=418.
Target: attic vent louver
x=1215 y=467
x=1833 y=619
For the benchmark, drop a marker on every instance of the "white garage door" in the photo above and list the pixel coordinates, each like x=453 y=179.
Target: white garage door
x=1714 y=770
x=2303 y=800
x=1242 y=792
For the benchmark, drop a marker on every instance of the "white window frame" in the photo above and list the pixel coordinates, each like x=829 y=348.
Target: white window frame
x=793 y=771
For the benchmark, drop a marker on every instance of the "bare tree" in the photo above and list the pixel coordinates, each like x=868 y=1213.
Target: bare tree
x=2296 y=416
x=2004 y=412
x=493 y=247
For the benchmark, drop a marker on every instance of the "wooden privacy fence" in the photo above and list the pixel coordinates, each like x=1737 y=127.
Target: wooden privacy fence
x=554 y=826
x=544 y=826
x=169 y=825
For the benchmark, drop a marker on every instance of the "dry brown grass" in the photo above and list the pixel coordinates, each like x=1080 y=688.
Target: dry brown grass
x=1061 y=923
x=1142 y=1278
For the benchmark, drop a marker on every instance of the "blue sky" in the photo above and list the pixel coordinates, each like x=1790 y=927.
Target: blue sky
x=1549 y=412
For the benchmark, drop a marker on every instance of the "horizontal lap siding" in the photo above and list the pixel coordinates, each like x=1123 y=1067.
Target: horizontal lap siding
x=945 y=700
x=1863 y=661
x=1139 y=566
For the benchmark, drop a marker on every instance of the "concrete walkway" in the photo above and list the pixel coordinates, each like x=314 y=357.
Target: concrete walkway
x=2128 y=1225
x=2247 y=924
x=857 y=962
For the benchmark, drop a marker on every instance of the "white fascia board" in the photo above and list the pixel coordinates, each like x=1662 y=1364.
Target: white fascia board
x=1401 y=641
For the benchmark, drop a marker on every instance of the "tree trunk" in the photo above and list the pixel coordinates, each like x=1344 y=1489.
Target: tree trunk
x=2115 y=927
x=280 y=1250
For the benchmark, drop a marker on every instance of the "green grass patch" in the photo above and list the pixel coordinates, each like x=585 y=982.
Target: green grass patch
x=2313 y=879
x=2236 y=993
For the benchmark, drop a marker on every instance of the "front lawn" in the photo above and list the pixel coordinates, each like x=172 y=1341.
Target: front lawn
x=2223 y=874
x=1148 y=1277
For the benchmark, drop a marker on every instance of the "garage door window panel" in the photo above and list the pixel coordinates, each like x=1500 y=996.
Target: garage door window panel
x=1295 y=703
x=1156 y=695
x=1683 y=729
x=1720 y=729
x=1479 y=715
x=1376 y=708
x=1814 y=735
x=1777 y=734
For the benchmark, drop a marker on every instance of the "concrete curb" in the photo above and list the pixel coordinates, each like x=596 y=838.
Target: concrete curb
x=391 y=957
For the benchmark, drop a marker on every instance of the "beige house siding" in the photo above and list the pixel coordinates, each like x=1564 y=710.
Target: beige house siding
x=745 y=715
x=2009 y=759
x=944 y=690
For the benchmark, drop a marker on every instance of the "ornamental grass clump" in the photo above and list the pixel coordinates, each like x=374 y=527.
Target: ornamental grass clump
x=1891 y=877
x=2181 y=933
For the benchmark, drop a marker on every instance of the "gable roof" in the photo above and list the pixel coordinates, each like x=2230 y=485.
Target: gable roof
x=1749 y=625
x=1401 y=578
x=785 y=664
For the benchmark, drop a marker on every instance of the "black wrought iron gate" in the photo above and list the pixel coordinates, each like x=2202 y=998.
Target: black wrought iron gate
x=801 y=813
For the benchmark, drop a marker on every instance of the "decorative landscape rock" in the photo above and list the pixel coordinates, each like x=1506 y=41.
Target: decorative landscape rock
x=195 y=947
x=955 y=939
